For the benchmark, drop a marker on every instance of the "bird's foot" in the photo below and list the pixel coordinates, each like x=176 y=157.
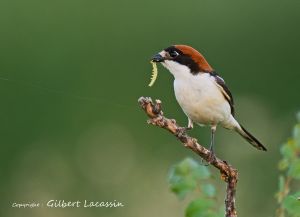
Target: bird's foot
x=211 y=158
x=188 y=128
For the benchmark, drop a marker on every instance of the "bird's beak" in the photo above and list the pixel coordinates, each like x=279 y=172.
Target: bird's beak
x=158 y=58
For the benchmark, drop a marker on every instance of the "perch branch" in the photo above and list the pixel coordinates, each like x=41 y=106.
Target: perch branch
x=228 y=173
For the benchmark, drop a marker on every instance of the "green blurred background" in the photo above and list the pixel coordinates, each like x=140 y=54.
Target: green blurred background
x=72 y=71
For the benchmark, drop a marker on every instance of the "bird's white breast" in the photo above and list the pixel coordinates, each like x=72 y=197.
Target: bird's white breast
x=199 y=96
x=201 y=100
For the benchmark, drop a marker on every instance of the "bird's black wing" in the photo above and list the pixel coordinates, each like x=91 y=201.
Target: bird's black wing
x=225 y=91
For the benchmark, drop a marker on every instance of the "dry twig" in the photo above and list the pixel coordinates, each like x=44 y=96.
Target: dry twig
x=228 y=173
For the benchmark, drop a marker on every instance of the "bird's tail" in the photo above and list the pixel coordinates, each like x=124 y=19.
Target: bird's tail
x=251 y=139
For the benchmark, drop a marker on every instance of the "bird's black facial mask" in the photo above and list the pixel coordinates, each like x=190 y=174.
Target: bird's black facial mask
x=172 y=53
x=179 y=57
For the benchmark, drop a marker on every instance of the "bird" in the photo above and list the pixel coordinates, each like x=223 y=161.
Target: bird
x=202 y=93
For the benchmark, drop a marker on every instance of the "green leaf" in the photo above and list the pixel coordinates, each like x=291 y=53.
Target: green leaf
x=281 y=192
x=296 y=135
x=296 y=131
x=191 y=167
x=200 y=208
x=209 y=190
x=287 y=150
x=292 y=204
x=283 y=164
x=201 y=172
x=298 y=116
x=185 y=176
x=294 y=170
x=183 y=186
x=281 y=183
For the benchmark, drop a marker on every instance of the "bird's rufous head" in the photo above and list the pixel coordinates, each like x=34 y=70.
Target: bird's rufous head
x=177 y=56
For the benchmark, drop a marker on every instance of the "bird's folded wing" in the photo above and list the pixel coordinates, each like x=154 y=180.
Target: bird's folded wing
x=225 y=91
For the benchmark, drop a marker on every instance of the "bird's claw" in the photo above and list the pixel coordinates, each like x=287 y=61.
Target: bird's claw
x=188 y=128
x=211 y=158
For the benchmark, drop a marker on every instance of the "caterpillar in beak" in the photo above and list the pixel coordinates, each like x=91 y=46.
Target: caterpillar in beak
x=154 y=73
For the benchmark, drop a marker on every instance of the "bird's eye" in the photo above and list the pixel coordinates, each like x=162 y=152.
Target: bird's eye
x=174 y=53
